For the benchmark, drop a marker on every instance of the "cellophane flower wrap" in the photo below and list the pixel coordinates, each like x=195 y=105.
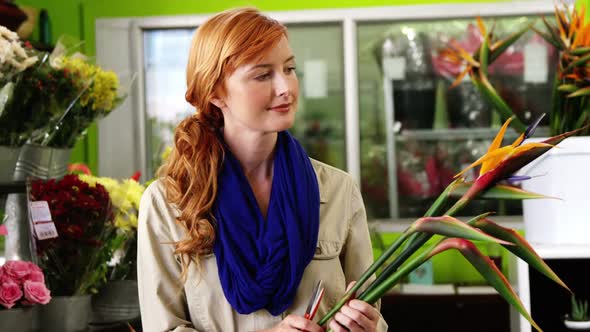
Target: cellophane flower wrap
x=76 y=261
x=22 y=284
x=125 y=197
x=99 y=93
x=32 y=93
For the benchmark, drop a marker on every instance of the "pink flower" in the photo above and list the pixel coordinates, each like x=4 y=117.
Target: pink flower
x=34 y=267
x=9 y=293
x=17 y=269
x=36 y=292
x=36 y=276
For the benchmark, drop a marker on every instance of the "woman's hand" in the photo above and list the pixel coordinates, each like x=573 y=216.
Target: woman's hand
x=296 y=323
x=355 y=316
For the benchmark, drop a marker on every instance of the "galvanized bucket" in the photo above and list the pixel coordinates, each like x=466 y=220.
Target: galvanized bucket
x=65 y=314
x=42 y=162
x=8 y=158
x=34 y=161
x=17 y=320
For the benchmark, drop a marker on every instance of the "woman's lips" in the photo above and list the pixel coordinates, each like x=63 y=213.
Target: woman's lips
x=281 y=108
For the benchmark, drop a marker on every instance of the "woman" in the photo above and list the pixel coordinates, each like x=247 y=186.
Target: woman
x=242 y=223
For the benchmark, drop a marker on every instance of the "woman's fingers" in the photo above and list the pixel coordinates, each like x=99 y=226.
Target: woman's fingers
x=302 y=324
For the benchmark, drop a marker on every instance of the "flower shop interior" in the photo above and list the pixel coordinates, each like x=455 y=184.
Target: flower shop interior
x=403 y=95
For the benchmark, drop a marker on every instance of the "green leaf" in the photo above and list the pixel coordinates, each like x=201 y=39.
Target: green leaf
x=498 y=191
x=547 y=37
x=501 y=46
x=521 y=248
x=484 y=52
x=554 y=34
x=581 y=92
x=488 y=270
x=452 y=227
x=583 y=61
x=579 y=51
x=486 y=88
x=567 y=88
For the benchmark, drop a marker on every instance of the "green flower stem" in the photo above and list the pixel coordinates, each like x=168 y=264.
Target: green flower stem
x=418 y=239
x=368 y=273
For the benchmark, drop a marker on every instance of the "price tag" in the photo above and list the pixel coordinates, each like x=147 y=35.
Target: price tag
x=41 y=219
x=40 y=211
x=395 y=68
x=45 y=230
x=536 y=63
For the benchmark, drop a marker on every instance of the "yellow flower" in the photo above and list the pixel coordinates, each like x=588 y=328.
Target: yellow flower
x=125 y=197
x=104 y=90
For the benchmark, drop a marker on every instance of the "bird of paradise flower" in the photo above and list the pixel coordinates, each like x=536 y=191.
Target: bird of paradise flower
x=497 y=165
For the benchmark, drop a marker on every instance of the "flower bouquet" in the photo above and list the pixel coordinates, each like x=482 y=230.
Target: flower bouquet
x=76 y=260
x=125 y=196
x=32 y=93
x=570 y=35
x=98 y=93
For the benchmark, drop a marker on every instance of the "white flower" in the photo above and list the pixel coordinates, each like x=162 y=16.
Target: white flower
x=56 y=62
x=8 y=34
x=5 y=50
x=30 y=61
x=18 y=49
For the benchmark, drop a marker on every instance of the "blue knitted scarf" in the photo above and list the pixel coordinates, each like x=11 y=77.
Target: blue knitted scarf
x=261 y=262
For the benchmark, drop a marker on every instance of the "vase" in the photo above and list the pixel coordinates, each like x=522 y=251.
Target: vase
x=561 y=173
x=117 y=301
x=34 y=161
x=577 y=325
x=17 y=320
x=8 y=157
x=65 y=314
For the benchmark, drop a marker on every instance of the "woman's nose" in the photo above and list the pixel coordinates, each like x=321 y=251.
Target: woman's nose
x=282 y=85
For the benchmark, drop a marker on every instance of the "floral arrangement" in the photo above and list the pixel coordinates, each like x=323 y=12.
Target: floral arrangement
x=570 y=35
x=99 y=94
x=76 y=261
x=51 y=99
x=125 y=197
x=496 y=169
x=32 y=93
x=22 y=283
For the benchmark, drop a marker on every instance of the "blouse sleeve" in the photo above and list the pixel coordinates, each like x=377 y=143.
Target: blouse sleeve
x=161 y=295
x=357 y=253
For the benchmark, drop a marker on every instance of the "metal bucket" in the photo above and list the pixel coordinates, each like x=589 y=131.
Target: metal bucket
x=17 y=320
x=65 y=314
x=117 y=301
x=37 y=162
x=8 y=158
x=42 y=162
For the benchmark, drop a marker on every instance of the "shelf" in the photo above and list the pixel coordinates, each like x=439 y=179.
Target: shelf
x=564 y=251
x=453 y=134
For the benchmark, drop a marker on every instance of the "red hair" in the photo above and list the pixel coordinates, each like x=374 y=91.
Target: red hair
x=222 y=44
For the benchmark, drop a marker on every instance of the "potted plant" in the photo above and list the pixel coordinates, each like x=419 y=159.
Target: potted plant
x=578 y=318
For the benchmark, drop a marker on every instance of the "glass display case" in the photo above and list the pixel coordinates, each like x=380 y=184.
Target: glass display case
x=423 y=132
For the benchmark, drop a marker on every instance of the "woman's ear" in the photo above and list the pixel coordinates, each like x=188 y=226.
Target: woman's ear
x=218 y=102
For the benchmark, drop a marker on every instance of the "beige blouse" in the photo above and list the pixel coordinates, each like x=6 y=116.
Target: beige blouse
x=343 y=252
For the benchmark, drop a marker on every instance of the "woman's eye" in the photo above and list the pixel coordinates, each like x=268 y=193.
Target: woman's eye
x=263 y=77
x=290 y=70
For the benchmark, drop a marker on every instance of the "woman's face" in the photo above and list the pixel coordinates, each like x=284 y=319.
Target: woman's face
x=262 y=97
